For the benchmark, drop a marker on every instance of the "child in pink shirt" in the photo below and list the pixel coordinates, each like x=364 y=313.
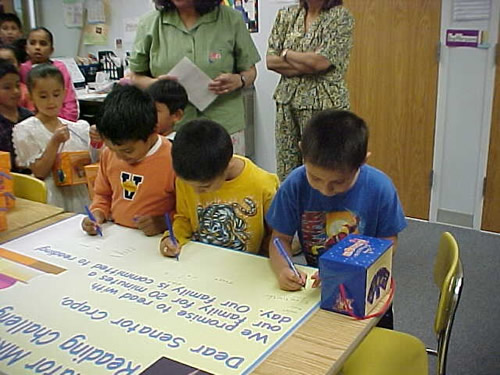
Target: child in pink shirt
x=39 y=47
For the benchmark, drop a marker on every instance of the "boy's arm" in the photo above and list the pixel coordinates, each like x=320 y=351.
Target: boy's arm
x=182 y=224
x=103 y=190
x=286 y=277
x=394 y=240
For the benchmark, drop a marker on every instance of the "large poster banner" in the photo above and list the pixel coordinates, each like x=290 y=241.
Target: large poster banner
x=75 y=304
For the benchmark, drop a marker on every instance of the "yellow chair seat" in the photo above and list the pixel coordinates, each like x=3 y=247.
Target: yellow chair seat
x=396 y=353
x=375 y=355
x=29 y=187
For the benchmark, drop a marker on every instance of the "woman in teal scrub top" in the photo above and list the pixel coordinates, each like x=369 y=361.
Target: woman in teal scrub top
x=214 y=37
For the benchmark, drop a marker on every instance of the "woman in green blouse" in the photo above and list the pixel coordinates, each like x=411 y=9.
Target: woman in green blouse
x=215 y=38
x=309 y=46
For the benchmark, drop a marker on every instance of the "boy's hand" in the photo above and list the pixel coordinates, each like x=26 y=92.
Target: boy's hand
x=317 y=280
x=168 y=249
x=61 y=134
x=151 y=225
x=289 y=281
x=90 y=226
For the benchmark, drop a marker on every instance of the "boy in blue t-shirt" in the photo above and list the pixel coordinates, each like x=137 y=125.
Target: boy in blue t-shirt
x=332 y=195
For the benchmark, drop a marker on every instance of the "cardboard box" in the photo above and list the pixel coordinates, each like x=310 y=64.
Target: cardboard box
x=3 y=212
x=91 y=174
x=364 y=266
x=69 y=168
x=6 y=181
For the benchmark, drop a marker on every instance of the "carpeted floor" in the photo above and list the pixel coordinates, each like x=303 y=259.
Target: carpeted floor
x=475 y=341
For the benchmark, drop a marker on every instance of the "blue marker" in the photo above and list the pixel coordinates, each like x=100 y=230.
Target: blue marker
x=285 y=255
x=171 y=231
x=92 y=217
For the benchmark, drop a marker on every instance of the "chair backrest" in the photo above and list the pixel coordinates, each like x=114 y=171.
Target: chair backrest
x=29 y=187
x=448 y=276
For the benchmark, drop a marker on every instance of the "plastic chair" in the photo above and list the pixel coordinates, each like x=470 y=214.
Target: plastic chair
x=29 y=187
x=390 y=352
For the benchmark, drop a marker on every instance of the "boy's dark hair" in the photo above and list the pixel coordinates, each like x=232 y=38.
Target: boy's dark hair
x=6 y=67
x=335 y=140
x=128 y=114
x=13 y=49
x=11 y=17
x=47 y=31
x=201 y=150
x=201 y=6
x=20 y=46
x=45 y=70
x=169 y=92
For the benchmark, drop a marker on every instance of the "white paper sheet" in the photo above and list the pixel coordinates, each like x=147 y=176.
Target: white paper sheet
x=195 y=81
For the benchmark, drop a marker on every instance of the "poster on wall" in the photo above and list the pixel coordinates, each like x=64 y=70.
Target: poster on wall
x=471 y=10
x=73 y=13
x=96 y=34
x=249 y=10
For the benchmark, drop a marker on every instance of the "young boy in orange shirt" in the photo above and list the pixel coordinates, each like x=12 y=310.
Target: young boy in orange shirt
x=135 y=183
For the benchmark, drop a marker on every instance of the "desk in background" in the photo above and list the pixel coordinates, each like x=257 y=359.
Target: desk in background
x=90 y=104
x=24 y=214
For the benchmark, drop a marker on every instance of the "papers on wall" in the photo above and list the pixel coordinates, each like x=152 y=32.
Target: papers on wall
x=248 y=10
x=195 y=81
x=73 y=13
x=95 y=11
x=96 y=34
x=471 y=10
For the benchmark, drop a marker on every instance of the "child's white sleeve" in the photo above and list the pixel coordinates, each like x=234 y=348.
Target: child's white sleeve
x=26 y=147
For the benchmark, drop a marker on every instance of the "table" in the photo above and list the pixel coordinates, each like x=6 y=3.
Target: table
x=319 y=346
x=25 y=213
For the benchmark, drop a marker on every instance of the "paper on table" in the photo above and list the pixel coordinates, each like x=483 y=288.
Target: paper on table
x=195 y=81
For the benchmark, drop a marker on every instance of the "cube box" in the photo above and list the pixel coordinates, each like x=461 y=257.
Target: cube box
x=8 y=200
x=69 y=168
x=363 y=265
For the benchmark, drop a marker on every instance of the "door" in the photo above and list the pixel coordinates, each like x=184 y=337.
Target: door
x=392 y=80
x=491 y=203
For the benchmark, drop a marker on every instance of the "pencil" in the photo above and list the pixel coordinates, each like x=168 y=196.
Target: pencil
x=171 y=232
x=285 y=255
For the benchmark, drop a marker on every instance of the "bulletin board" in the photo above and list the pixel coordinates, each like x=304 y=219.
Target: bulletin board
x=73 y=303
x=249 y=10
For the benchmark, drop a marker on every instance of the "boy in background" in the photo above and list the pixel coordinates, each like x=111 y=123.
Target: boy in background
x=333 y=194
x=170 y=100
x=11 y=28
x=10 y=112
x=11 y=54
x=222 y=198
x=135 y=182
x=11 y=33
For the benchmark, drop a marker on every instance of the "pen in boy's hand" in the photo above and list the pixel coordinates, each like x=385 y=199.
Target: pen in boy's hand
x=92 y=218
x=171 y=232
x=285 y=255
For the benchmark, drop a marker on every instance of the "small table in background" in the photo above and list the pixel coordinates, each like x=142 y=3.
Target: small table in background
x=24 y=214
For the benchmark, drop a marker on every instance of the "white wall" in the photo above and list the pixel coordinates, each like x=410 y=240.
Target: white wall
x=465 y=93
x=50 y=13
